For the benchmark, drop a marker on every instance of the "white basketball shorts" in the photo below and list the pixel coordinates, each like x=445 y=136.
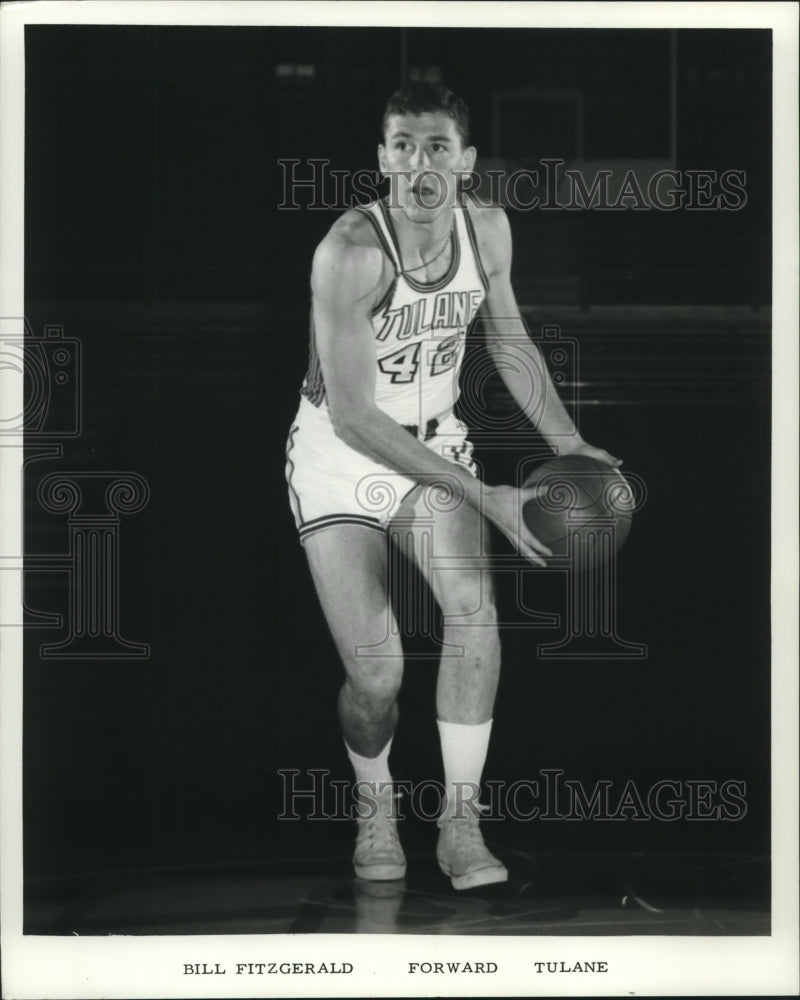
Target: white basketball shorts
x=331 y=483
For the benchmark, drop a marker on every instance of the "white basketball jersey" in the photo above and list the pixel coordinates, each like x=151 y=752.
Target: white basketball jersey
x=420 y=328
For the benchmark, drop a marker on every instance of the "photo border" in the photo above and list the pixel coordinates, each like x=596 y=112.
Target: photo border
x=118 y=966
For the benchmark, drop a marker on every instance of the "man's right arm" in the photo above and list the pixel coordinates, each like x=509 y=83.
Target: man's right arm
x=345 y=281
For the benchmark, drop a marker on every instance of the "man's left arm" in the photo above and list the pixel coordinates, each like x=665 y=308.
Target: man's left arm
x=517 y=358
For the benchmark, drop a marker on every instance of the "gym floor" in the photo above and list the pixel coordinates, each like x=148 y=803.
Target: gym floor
x=548 y=894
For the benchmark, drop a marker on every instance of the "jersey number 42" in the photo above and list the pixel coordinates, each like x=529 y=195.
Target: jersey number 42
x=404 y=364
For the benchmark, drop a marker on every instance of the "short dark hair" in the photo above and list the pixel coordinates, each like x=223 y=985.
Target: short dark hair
x=419 y=98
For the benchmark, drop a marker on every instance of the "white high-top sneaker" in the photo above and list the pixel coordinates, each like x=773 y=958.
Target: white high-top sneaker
x=462 y=853
x=378 y=855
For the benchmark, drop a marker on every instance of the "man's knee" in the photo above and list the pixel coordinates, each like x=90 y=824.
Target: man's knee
x=374 y=678
x=469 y=596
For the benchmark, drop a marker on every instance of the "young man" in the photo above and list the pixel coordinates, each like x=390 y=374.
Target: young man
x=395 y=286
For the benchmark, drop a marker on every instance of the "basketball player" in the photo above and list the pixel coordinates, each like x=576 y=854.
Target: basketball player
x=395 y=286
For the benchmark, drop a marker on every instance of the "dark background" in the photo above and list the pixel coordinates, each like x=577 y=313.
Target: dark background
x=153 y=237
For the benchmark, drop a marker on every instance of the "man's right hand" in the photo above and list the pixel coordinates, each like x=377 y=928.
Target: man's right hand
x=502 y=505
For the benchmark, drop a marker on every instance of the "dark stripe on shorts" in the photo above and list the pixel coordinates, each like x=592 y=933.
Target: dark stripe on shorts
x=329 y=520
x=290 y=470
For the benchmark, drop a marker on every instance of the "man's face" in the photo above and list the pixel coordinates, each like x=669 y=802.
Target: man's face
x=423 y=157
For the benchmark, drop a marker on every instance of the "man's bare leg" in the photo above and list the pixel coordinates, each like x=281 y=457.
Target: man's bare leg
x=466 y=684
x=349 y=567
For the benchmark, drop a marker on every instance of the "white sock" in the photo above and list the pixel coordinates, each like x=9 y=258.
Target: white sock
x=371 y=769
x=464 y=750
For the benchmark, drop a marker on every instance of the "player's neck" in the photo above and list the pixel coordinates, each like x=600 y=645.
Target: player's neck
x=421 y=237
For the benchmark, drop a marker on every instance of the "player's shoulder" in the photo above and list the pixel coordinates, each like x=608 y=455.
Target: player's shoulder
x=488 y=217
x=492 y=232
x=348 y=252
x=351 y=233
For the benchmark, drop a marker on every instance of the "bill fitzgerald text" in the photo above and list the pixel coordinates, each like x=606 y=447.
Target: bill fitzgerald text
x=550 y=795
x=269 y=969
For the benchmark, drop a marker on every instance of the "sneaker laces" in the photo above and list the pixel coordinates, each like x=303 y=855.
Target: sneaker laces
x=379 y=826
x=464 y=829
x=470 y=811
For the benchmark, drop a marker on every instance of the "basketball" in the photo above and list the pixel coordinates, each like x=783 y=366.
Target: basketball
x=582 y=497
